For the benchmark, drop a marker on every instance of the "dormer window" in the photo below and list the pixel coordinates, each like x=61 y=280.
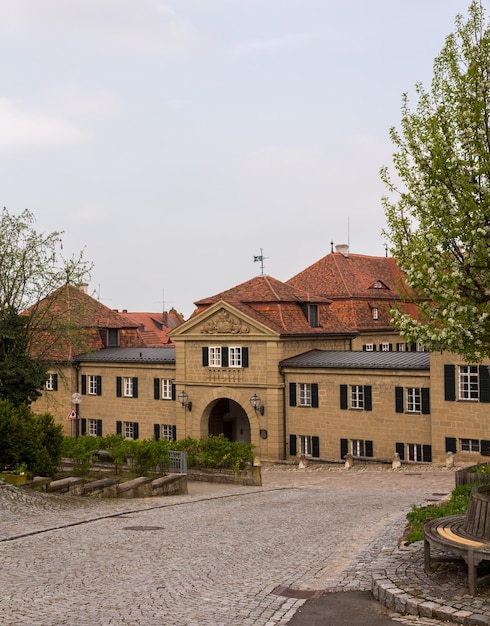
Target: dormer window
x=378 y=285
x=311 y=313
x=374 y=311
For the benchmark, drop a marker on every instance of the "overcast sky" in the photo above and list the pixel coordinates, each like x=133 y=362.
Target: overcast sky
x=174 y=140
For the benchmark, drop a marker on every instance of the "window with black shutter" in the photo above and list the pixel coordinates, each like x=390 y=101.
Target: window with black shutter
x=399 y=400
x=292 y=394
x=449 y=384
x=400 y=448
x=425 y=393
x=315 y=447
x=343 y=397
x=314 y=396
x=293 y=451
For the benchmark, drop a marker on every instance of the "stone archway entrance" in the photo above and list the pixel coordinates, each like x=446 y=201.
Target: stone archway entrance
x=227 y=417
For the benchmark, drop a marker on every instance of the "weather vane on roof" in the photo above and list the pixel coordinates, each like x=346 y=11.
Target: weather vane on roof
x=260 y=258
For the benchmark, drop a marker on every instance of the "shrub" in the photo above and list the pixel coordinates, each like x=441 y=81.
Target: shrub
x=82 y=451
x=456 y=505
x=190 y=447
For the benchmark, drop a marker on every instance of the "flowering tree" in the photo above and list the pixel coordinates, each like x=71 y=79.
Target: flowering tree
x=31 y=268
x=438 y=212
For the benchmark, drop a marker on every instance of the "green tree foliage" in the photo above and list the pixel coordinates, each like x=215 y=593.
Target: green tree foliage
x=438 y=212
x=31 y=268
x=25 y=438
x=21 y=376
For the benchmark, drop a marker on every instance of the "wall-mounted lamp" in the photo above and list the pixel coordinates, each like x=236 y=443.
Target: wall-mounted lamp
x=256 y=404
x=184 y=400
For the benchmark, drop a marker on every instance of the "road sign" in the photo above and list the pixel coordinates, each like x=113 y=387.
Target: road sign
x=72 y=415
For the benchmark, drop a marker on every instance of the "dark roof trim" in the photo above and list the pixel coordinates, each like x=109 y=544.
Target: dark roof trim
x=129 y=355
x=360 y=360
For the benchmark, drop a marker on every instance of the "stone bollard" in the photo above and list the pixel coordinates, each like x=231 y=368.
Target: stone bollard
x=303 y=463
x=396 y=464
x=449 y=460
x=349 y=461
x=257 y=462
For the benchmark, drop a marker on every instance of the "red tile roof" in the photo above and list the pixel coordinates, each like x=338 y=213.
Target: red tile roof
x=154 y=327
x=278 y=306
x=356 y=284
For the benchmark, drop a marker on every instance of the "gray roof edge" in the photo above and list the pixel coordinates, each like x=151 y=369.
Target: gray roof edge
x=129 y=355
x=357 y=359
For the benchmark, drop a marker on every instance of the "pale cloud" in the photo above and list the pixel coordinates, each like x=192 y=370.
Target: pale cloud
x=143 y=25
x=270 y=45
x=83 y=102
x=24 y=128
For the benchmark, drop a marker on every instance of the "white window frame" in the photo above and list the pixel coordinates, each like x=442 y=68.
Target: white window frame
x=414 y=451
x=214 y=353
x=358 y=447
x=304 y=393
x=92 y=385
x=374 y=311
x=305 y=445
x=413 y=397
x=401 y=347
x=166 y=431
x=92 y=427
x=370 y=347
x=166 y=388
x=356 y=397
x=127 y=387
x=128 y=430
x=472 y=446
x=468 y=383
x=385 y=347
x=235 y=356
x=49 y=386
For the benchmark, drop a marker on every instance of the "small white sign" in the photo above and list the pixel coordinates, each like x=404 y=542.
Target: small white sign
x=76 y=398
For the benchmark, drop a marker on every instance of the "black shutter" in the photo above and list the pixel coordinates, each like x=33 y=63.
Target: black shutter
x=292 y=394
x=369 y=448
x=156 y=388
x=292 y=445
x=224 y=356
x=450 y=444
x=83 y=426
x=118 y=386
x=136 y=430
x=174 y=433
x=484 y=383
x=400 y=448
x=425 y=393
x=390 y=347
x=244 y=357
x=84 y=385
x=399 y=400
x=98 y=382
x=344 y=447
x=55 y=382
x=343 y=397
x=156 y=431
x=368 y=400
x=314 y=396
x=118 y=428
x=485 y=447
x=99 y=428
x=205 y=356
x=449 y=384
x=173 y=392
x=315 y=447
x=427 y=453
x=135 y=387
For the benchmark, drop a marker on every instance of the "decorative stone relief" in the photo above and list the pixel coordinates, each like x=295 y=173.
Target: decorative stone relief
x=224 y=324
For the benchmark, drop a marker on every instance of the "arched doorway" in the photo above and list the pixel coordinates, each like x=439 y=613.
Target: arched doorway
x=227 y=417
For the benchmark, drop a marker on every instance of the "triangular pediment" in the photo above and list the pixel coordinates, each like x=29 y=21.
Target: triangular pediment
x=222 y=319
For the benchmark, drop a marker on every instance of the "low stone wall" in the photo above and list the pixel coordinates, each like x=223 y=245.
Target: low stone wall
x=141 y=487
x=250 y=476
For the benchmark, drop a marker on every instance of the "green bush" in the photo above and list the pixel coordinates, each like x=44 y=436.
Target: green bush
x=118 y=448
x=33 y=441
x=190 y=447
x=456 y=505
x=82 y=451
x=219 y=452
x=147 y=455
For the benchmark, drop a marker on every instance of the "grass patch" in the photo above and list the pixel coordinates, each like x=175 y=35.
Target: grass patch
x=457 y=504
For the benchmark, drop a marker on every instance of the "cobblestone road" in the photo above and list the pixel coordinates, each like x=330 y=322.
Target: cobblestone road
x=223 y=555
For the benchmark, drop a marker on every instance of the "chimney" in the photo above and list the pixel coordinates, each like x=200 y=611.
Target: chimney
x=343 y=248
x=83 y=287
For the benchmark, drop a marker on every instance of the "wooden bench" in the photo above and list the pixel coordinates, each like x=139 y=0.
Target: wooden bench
x=468 y=535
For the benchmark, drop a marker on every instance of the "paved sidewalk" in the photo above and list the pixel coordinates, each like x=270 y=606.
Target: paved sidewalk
x=223 y=555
